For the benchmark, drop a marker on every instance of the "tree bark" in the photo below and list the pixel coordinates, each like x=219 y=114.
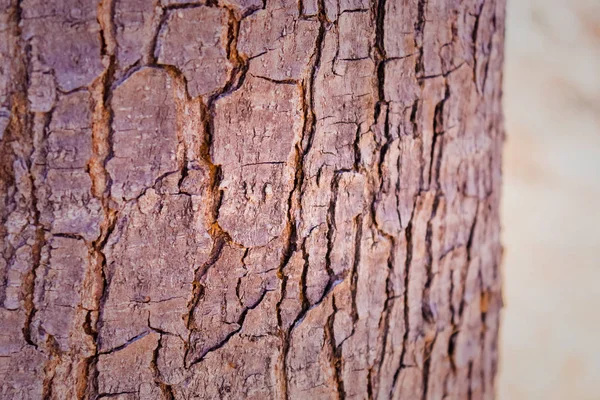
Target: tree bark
x=246 y=199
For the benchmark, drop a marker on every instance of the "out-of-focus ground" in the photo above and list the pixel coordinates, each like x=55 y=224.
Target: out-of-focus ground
x=550 y=338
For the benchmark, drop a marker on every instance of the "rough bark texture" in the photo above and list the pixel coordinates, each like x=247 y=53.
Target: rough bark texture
x=244 y=199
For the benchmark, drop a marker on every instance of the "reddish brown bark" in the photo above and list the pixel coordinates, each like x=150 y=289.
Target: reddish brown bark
x=238 y=199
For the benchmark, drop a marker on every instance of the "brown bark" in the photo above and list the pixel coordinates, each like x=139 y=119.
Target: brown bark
x=246 y=199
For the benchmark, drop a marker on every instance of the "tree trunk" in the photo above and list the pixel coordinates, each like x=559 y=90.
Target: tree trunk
x=247 y=199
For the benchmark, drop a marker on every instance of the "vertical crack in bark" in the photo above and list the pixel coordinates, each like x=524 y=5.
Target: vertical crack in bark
x=197 y=289
x=100 y=179
x=50 y=368
x=428 y=316
x=370 y=384
x=380 y=55
x=335 y=184
x=419 y=36
x=39 y=238
x=310 y=119
x=19 y=125
x=166 y=390
x=390 y=298
x=427 y=365
x=336 y=360
x=407 y=268
x=484 y=301
x=291 y=247
x=413 y=118
x=474 y=34
x=50 y=347
x=427 y=313
x=419 y=30
x=302 y=148
x=484 y=304
x=161 y=19
x=354 y=272
x=470 y=378
x=214 y=193
x=469 y=249
x=438 y=131
x=240 y=64
x=456 y=315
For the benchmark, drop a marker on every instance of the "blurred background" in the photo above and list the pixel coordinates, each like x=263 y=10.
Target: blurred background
x=550 y=335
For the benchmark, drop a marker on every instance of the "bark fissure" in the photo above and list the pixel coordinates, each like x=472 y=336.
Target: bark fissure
x=408 y=260
x=336 y=359
x=302 y=147
x=102 y=152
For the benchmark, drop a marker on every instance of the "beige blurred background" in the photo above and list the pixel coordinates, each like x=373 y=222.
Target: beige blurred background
x=551 y=209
